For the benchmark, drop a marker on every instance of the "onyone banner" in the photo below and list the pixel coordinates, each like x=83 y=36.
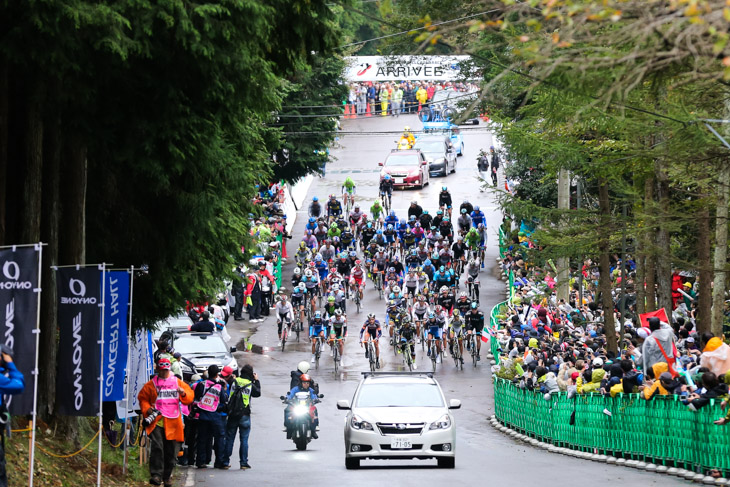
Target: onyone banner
x=116 y=345
x=405 y=68
x=19 y=294
x=79 y=319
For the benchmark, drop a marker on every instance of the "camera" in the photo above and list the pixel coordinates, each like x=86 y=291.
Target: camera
x=150 y=418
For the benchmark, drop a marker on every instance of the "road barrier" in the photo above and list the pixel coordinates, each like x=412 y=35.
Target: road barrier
x=661 y=431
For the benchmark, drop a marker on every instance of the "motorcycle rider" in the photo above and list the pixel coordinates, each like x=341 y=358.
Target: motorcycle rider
x=305 y=385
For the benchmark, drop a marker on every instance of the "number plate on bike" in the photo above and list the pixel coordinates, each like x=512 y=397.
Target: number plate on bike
x=400 y=443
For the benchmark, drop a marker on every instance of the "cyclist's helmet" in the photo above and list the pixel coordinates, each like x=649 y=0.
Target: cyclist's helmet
x=396 y=289
x=308 y=272
x=315 y=199
x=418 y=225
x=408 y=230
x=427 y=262
x=311 y=265
x=457 y=313
x=332 y=196
x=447 y=218
x=466 y=202
x=370 y=225
x=317 y=315
x=440 y=212
x=439 y=309
x=444 y=288
x=476 y=208
x=421 y=297
x=411 y=218
x=330 y=299
x=442 y=269
x=312 y=219
x=414 y=252
x=444 y=188
x=402 y=221
x=462 y=295
x=353 y=253
x=387 y=177
x=338 y=312
x=371 y=316
x=297 y=271
x=431 y=315
x=318 y=258
x=480 y=226
x=463 y=211
x=391 y=299
x=425 y=212
x=396 y=257
x=474 y=305
x=392 y=213
x=357 y=262
x=390 y=226
x=472 y=262
x=357 y=206
x=335 y=287
x=391 y=269
x=302 y=245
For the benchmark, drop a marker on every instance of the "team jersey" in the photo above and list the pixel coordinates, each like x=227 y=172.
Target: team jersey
x=334 y=207
x=420 y=308
x=474 y=321
x=373 y=329
x=477 y=217
x=357 y=273
x=349 y=185
x=310 y=282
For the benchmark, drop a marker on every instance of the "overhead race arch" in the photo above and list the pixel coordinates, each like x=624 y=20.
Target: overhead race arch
x=405 y=68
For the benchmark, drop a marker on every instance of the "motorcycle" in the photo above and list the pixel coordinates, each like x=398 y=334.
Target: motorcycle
x=301 y=414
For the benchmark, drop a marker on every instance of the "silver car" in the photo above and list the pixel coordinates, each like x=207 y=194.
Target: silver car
x=399 y=416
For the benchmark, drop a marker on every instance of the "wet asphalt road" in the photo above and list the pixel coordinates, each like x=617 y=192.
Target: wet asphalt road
x=483 y=455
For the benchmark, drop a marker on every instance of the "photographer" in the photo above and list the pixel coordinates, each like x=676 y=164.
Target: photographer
x=160 y=401
x=11 y=382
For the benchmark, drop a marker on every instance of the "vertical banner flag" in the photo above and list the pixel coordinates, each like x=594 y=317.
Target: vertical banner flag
x=18 y=312
x=140 y=367
x=115 y=333
x=79 y=322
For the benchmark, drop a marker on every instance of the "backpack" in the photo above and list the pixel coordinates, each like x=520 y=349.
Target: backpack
x=236 y=409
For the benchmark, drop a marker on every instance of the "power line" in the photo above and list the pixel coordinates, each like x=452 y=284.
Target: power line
x=420 y=28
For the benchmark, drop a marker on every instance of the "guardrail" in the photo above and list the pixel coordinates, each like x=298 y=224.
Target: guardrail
x=662 y=430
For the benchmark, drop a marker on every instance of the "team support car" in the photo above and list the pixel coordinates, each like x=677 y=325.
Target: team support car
x=399 y=416
x=438 y=152
x=439 y=116
x=201 y=350
x=408 y=168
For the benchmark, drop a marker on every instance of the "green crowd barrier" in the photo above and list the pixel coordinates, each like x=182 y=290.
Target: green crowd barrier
x=277 y=269
x=662 y=430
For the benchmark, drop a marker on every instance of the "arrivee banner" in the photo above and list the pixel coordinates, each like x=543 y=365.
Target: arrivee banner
x=19 y=296
x=116 y=299
x=79 y=319
x=405 y=68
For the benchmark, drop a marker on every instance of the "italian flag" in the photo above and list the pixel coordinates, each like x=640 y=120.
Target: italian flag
x=487 y=333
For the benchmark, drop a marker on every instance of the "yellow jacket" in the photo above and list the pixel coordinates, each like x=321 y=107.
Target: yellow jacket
x=421 y=95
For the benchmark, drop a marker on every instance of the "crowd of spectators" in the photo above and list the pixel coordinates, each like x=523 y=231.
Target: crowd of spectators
x=397 y=97
x=551 y=345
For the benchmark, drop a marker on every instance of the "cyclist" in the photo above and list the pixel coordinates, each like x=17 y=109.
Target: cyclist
x=344 y=266
x=463 y=304
x=380 y=239
x=334 y=207
x=436 y=222
x=464 y=222
x=408 y=337
x=311 y=282
x=357 y=278
x=392 y=313
x=446 y=256
x=317 y=328
x=443 y=278
x=355 y=216
x=477 y=216
x=418 y=232
x=346 y=238
x=303 y=255
x=445 y=199
x=390 y=236
x=330 y=308
x=456 y=331
x=429 y=269
x=459 y=249
x=422 y=252
x=473 y=239
x=396 y=264
x=327 y=251
x=315 y=209
x=367 y=234
x=401 y=228
x=475 y=324
x=386 y=187
x=446 y=229
x=376 y=210
x=465 y=205
x=311 y=224
x=348 y=190
x=320 y=233
x=298 y=295
x=433 y=327
x=482 y=230
x=284 y=313
x=310 y=240
x=296 y=278
x=446 y=300
x=338 y=330
x=420 y=311
x=408 y=240
x=415 y=209
x=380 y=264
x=391 y=219
x=321 y=267
x=410 y=283
x=413 y=260
x=334 y=231
x=373 y=330
x=425 y=219
x=339 y=295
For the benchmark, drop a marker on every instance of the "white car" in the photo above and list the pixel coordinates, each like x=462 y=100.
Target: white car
x=399 y=416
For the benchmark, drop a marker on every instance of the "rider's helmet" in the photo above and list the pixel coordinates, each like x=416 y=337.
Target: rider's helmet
x=480 y=226
x=463 y=211
x=411 y=218
x=474 y=305
x=466 y=202
x=439 y=309
x=472 y=262
x=302 y=245
x=318 y=258
x=283 y=296
x=311 y=265
x=476 y=208
x=358 y=263
x=391 y=269
x=463 y=295
x=335 y=287
x=315 y=199
x=444 y=188
x=442 y=269
x=396 y=289
x=338 y=312
x=387 y=177
x=369 y=224
x=371 y=316
x=312 y=219
x=297 y=271
x=330 y=299
x=414 y=252
x=440 y=212
x=421 y=297
x=402 y=221
x=353 y=254
x=431 y=315
x=457 y=313
x=444 y=289
x=303 y=367
x=447 y=219
x=317 y=315
x=396 y=257
x=357 y=206
x=418 y=225
x=427 y=262
x=392 y=213
x=425 y=212
x=308 y=272
x=305 y=378
x=390 y=226
x=332 y=196
x=408 y=230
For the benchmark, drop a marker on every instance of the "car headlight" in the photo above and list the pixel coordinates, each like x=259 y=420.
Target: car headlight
x=300 y=410
x=233 y=364
x=443 y=422
x=359 y=424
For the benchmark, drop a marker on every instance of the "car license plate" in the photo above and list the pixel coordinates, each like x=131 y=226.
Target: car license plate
x=398 y=180
x=400 y=443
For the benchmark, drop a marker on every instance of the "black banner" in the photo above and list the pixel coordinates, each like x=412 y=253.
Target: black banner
x=19 y=296
x=79 y=320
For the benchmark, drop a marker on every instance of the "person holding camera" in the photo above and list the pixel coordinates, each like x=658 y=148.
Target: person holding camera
x=160 y=401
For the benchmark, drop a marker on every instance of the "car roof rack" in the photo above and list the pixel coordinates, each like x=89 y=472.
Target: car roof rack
x=369 y=374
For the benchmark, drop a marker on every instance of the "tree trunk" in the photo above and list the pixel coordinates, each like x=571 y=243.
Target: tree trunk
x=663 y=253
x=647 y=237
x=72 y=241
x=720 y=262
x=704 y=248
x=49 y=234
x=604 y=283
x=563 y=277
x=4 y=114
x=31 y=210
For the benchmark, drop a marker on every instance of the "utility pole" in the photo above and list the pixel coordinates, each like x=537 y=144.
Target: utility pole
x=563 y=276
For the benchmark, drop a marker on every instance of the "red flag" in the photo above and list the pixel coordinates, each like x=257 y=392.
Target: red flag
x=661 y=313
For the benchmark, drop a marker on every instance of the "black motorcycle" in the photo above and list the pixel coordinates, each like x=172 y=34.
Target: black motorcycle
x=301 y=414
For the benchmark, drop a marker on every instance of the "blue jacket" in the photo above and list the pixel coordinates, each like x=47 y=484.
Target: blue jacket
x=312 y=394
x=13 y=383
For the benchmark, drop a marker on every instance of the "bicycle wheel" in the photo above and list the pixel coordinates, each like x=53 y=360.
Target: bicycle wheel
x=408 y=357
x=357 y=300
x=283 y=337
x=371 y=355
x=474 y=351
x=297 y=326
x=434 y=351
x=317 y=352
x=336 y=356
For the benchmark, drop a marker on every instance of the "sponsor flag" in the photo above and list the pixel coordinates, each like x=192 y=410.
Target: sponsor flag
x=661 y=313
x=140 y=369
x=116 y=299
x=79 y=319
x=19 y=294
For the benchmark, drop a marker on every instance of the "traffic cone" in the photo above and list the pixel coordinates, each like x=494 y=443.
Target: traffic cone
x=419 y=107
x=347 y=110
x=367 y=110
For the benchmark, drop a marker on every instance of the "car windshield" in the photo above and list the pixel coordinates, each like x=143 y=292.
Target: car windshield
x=399 y=395
x=441 y=96
x=402 y=160
x=430 y=146
x=196 y=345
